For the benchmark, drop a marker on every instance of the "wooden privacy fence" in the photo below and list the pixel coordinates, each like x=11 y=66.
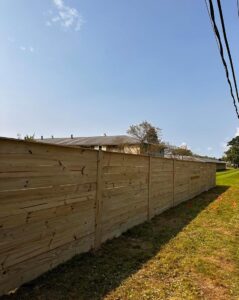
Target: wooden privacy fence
x=58 y=201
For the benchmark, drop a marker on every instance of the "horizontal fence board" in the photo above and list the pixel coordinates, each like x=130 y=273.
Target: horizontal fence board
x=122 y=160
x=123 y=183
x=27 y=182
x=114 y=191
x=20 y=217
x=26 y=205
x=49 y=172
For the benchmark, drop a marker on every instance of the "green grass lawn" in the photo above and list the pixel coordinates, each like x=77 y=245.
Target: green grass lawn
x=188 y=252
x=229 y=177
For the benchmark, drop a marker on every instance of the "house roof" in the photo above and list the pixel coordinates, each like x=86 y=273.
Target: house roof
x=93 y=141
x=217 y=161
x=196 y=158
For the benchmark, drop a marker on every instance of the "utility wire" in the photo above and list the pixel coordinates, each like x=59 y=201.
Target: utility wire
x=238 y=7
x=212 y=24
x=218 y=38
x=227 y=46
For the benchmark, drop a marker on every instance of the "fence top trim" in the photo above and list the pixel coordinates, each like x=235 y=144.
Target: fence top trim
x=82 y=149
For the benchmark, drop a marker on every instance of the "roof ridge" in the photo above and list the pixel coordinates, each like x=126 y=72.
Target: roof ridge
x=91 y=136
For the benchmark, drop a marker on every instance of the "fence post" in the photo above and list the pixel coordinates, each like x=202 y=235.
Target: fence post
x=98 y=211
x=173 y=182
x=149 y=189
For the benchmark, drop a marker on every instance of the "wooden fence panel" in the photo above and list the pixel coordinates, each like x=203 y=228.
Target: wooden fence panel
x=58 y=201
x=125 y=192
x=161 y=185
x=191 y=179
x=47 y=201
x=181 y=181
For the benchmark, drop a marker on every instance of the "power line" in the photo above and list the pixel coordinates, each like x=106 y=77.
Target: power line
x=227 y=46
x=212 y=25
x=218 y=39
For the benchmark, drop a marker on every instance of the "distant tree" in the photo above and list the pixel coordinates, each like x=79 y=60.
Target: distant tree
x=145 y=132
x=29 y=137
x=178 y=152
x=224 y=157
x=181 y=151
x=234 y=142
x=232 y=154
x=148 y=135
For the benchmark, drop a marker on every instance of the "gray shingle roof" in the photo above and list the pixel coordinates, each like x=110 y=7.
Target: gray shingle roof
x=93 y=141
x=195 y=158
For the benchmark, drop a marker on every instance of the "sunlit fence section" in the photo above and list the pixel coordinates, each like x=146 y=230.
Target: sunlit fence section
x=56 y=201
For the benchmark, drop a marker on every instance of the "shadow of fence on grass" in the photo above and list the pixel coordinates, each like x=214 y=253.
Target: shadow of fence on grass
x=94 y=274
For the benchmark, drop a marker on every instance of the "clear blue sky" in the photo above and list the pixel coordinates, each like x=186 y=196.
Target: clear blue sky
x=89 y=67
